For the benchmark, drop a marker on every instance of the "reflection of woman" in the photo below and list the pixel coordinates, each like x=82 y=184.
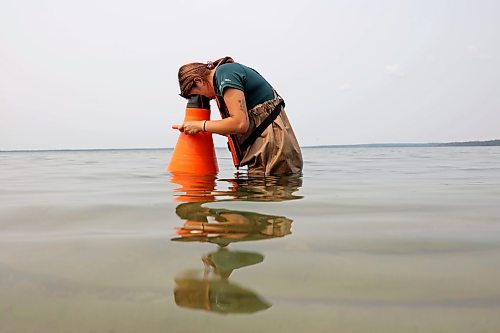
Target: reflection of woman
x=224 y=226
x=229 y=225
x=223 y=262
x=252 y=111
x=266 y=188
x=219 y=294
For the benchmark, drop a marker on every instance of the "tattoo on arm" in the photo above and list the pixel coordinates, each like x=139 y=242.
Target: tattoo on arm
x=243 y=108
x=242 y=105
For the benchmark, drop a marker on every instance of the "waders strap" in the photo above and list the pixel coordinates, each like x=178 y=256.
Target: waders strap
x=262 y=126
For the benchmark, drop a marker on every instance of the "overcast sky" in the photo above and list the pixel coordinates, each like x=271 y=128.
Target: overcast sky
x=103 y=73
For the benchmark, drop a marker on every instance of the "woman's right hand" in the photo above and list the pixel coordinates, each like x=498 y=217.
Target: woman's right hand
x=236 y=123
x=190 y=127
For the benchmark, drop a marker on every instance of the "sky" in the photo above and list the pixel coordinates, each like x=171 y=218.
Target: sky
x=103 y=73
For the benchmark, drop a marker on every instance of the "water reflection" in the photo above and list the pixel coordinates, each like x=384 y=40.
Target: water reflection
x=212 y=290
x=240 y=188
x=227 y=226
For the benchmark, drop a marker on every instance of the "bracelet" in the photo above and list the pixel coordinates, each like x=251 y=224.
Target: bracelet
x=204 y=123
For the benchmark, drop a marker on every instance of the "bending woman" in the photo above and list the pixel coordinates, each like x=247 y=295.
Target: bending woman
x=253 y=115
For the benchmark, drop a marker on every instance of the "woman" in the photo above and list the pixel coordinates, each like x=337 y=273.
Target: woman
x=253 y=115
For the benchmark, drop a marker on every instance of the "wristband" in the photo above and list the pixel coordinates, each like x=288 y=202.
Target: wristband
x=204 y=123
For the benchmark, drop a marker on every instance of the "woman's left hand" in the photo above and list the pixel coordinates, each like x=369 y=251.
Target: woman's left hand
x=190 y=127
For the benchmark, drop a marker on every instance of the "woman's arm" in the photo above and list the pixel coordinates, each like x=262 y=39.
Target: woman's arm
x=236 y=123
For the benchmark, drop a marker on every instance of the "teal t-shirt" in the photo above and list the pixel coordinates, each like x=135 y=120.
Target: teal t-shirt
x=256 y=89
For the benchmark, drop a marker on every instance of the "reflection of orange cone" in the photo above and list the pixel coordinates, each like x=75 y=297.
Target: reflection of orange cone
x=194 y=188
x=195 y=154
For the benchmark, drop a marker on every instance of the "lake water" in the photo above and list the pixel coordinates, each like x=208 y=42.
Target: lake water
x=368 y=240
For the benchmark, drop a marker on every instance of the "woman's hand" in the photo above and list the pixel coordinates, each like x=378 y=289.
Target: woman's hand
x=190 y=127
x=236 y=123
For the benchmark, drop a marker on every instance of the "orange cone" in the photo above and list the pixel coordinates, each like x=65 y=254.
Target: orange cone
x=195 y=154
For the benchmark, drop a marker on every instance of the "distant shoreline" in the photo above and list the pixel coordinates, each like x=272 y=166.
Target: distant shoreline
x=434 y=144
x=363 y=145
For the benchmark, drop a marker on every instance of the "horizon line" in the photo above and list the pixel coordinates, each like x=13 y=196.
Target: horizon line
x=359 y=145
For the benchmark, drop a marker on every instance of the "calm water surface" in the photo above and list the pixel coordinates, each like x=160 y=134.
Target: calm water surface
x=368 y=240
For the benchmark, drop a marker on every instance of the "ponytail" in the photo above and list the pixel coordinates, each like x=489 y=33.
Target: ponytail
x=218 y=61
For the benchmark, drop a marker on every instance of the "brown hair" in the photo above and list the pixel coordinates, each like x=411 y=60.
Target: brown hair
x=189 y=72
